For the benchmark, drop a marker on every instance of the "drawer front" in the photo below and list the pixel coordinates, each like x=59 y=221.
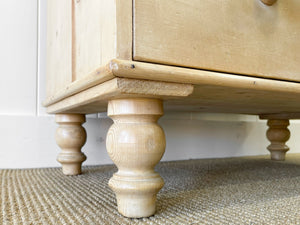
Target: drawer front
x=243 y=37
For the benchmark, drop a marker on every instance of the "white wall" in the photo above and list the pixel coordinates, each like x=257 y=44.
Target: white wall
x=27 y=132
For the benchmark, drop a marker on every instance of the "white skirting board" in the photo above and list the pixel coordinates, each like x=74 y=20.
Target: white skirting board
x=29 y=141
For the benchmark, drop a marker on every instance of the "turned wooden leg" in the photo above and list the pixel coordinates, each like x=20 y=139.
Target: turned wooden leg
x=136 y=143
x=70 y=137
x=278 y=134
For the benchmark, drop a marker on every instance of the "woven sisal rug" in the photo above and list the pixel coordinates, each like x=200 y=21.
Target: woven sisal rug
x=210 y=191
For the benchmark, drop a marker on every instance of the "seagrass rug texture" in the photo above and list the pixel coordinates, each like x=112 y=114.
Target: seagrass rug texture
x=251 y=190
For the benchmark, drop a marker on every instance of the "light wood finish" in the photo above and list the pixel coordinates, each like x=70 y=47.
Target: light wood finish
x=244 y=37
x=218 y=92
x=212 y=92
x=82 y=37
x=136 y=143
x=123 y=29
x=70 y=137
x=104 y=34
x=235 y=100
x=98 y=76
x=59 y=45
x=95 y=53
x=150 y=71
x=278 y=135
x=280 y=116
x=87 y=31
x=268 y=2
x=95 y=99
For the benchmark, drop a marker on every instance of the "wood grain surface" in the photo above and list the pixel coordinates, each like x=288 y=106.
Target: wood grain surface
x=244 y=37
x=136 y=143
x=59 y=45
x=196 y=90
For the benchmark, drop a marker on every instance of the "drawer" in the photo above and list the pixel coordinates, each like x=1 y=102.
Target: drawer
x=242 y=37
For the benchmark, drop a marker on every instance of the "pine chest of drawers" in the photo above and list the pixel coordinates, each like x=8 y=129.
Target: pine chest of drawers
x=137 y=58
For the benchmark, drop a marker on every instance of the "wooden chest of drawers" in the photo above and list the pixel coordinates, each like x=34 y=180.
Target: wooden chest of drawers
x=136 y=57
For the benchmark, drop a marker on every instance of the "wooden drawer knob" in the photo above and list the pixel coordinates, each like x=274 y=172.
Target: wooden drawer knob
x=268 y=2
